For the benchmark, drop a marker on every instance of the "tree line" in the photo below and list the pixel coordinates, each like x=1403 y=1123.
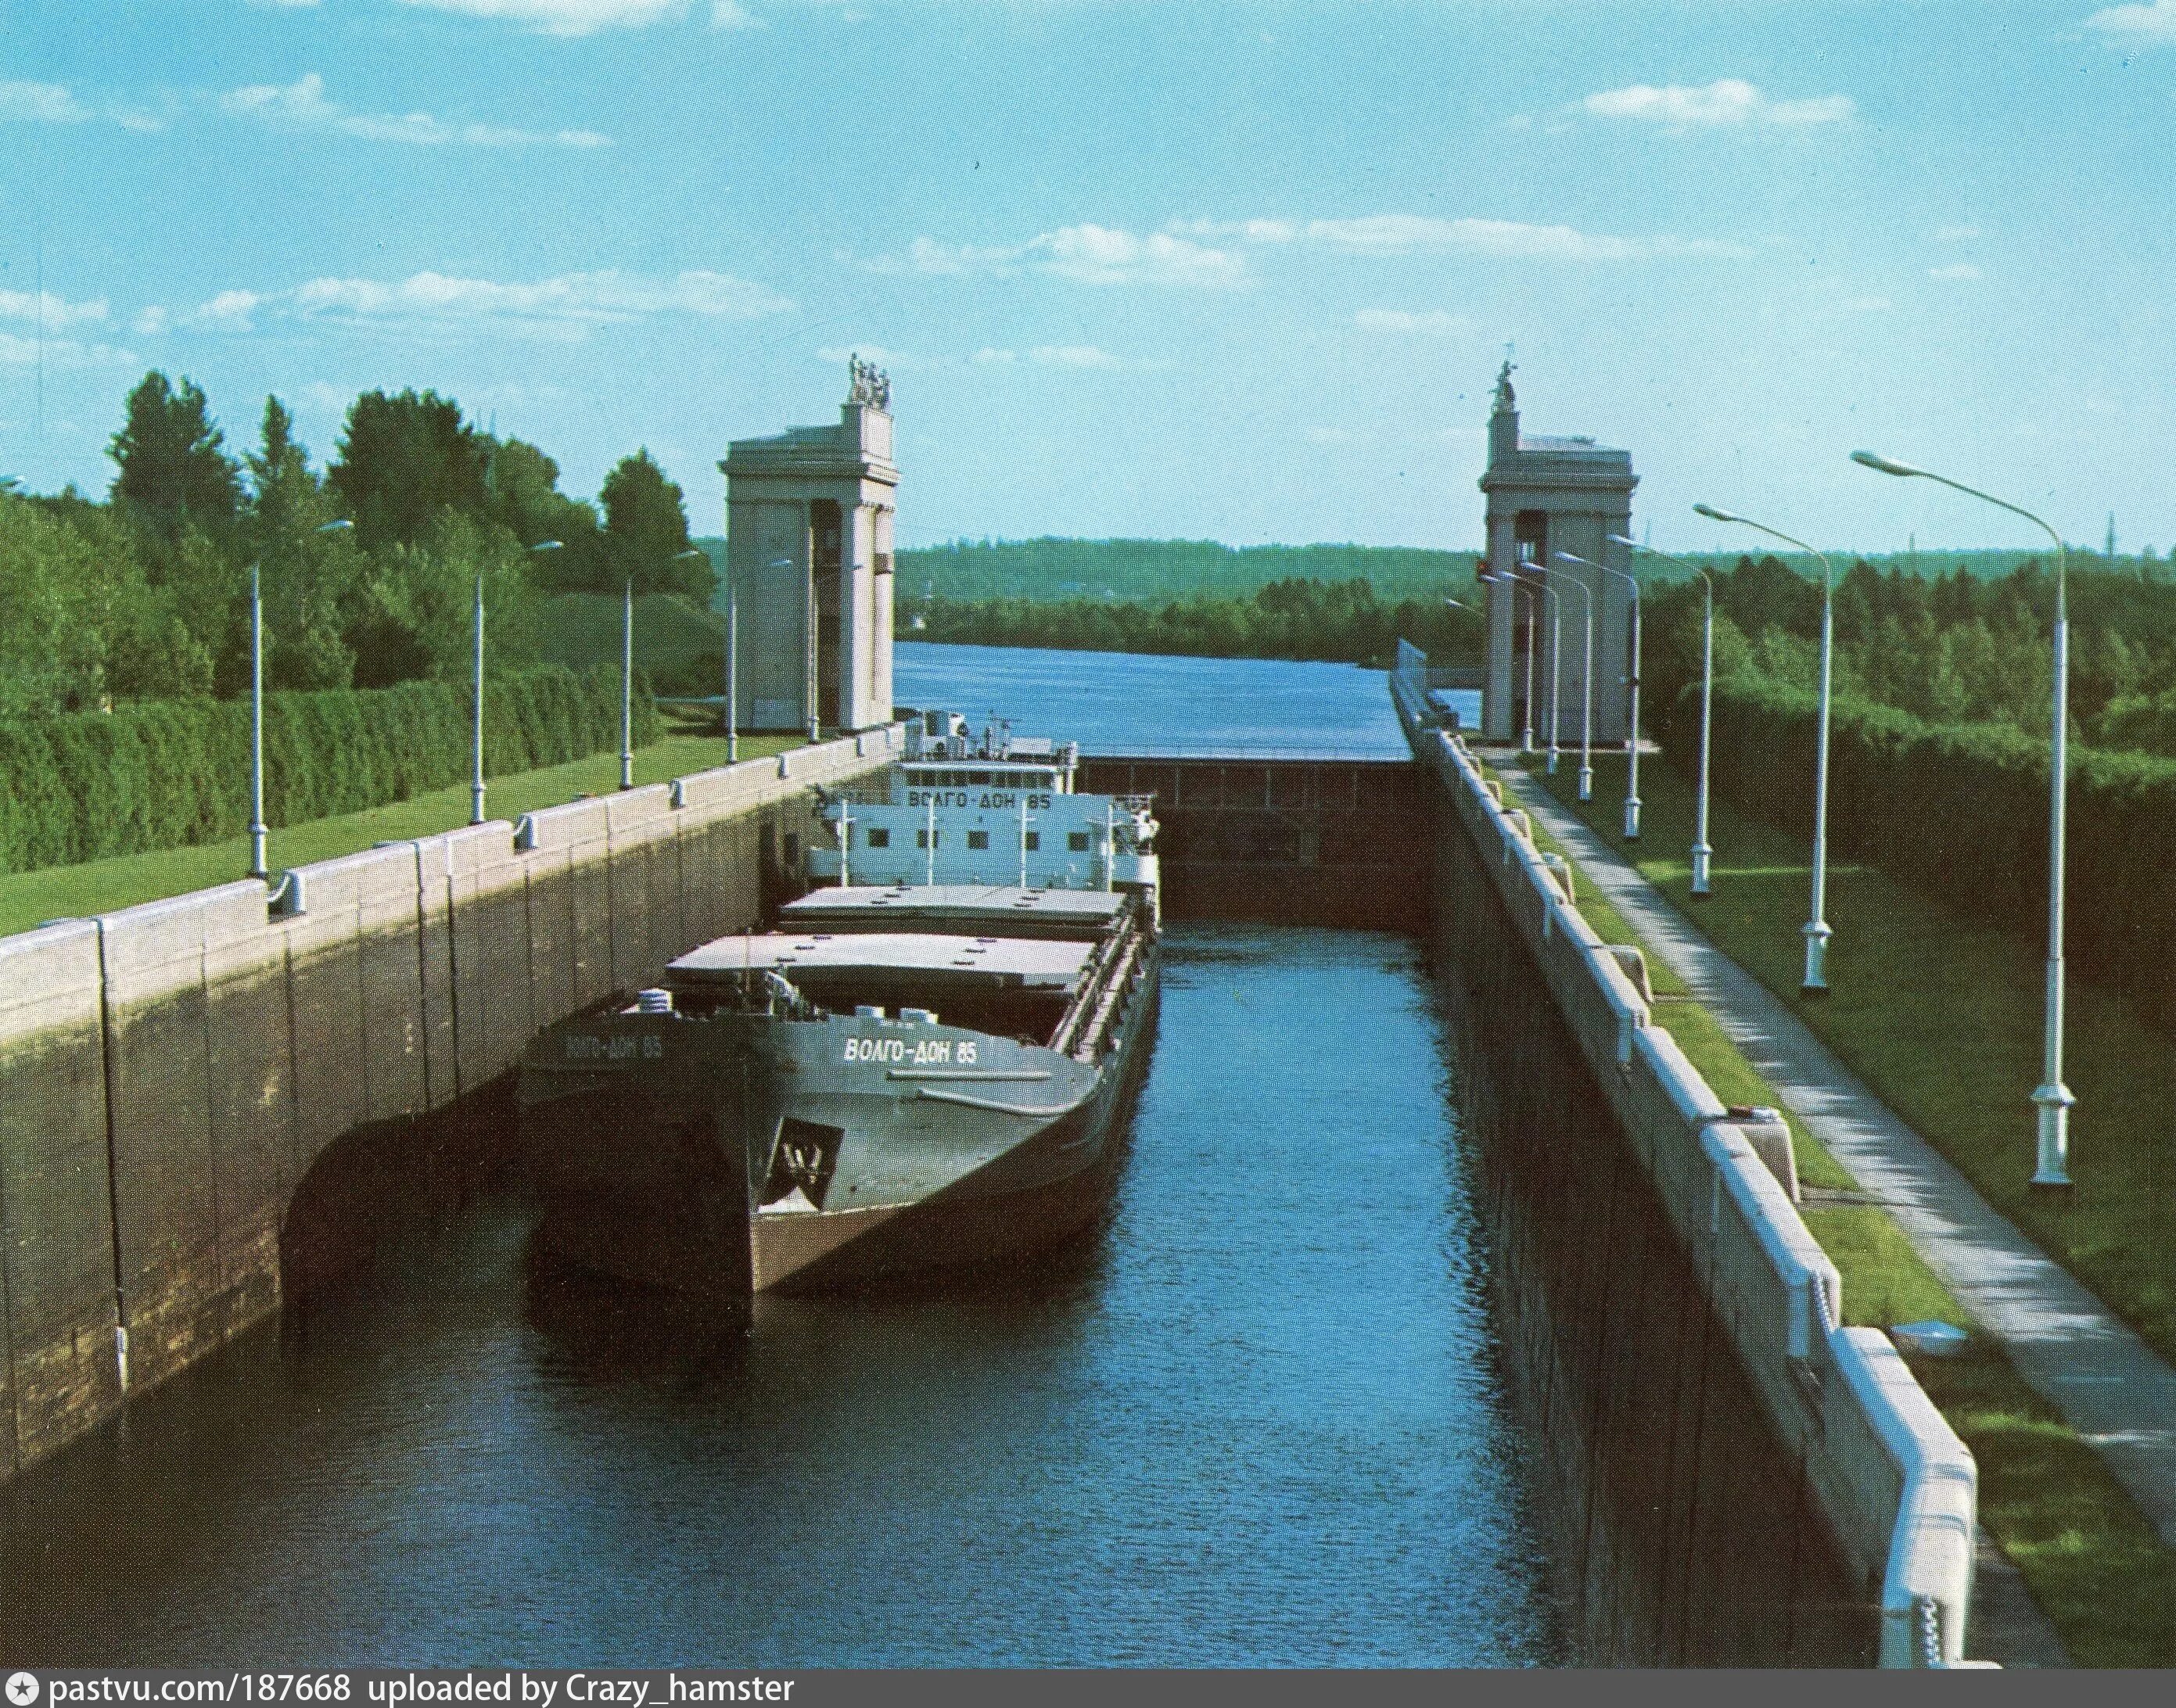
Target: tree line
x=1297 y=617
x=144 y=595
x=1050 y=570
x=1948 y=650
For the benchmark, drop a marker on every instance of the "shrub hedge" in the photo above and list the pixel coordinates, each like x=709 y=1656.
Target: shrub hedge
x=168 y=774
x=1961 y=812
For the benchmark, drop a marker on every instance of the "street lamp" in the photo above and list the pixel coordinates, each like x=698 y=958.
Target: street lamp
x=1586 y=685
x=257 y=830
x=1817 y=931
x=1532 y=589
x=627 y=688
x=1632 y=730
x=475 y=772
x=2051 y=1172
x=1527 y=735
x=1702 y=853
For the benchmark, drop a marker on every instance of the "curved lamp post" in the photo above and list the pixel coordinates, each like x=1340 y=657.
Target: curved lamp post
x=1702 y=853
x=1817 y=929
x=627 y=688
x=1586 y=685
x=2051 y=1171
x=475 y=772
x=1632 y=729
x=1533 y=587
x=259 y=831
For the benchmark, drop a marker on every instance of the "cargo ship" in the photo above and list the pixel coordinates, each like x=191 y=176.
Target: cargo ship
x=925 y=1065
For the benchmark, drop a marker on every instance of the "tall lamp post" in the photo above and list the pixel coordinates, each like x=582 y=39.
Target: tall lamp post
x=1632 y=729
x=1817 y=930
x=259 y=831
x=1586 y=685
x=627 y=688
x=475 y=770
x=2051 y=1170
x=1702 y=853
x=1520 y=584
x=1555 y=607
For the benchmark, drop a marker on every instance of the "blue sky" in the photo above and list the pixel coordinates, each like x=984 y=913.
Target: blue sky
x=1240 y=270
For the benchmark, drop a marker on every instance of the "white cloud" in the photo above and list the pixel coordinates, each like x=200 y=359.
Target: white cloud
x=1955 y=234
x=1089 y=253
x=1329 y=436
x=564 y=307
x=728 y=14
x=570 y=299
x=40 y=103
x=1072 y=355
x=563 y=17
x=285 y=5
x=1410 y=234
x=1097 y=255
x=55 y=312
x=151 y=321
x=1430 y=322
x=987 y=357
x=2153 y=22
x=231 y=310
x=1962 y=269
x=303 y=104
x=1726 y=101
x=61 y=352
x=1868 y=305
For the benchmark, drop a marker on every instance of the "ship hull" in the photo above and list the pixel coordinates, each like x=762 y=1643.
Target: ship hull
x=652 y=1144
x=1038 y=1193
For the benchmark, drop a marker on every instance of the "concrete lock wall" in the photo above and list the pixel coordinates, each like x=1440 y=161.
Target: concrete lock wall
x=1897 y=1487
x=171 y=1073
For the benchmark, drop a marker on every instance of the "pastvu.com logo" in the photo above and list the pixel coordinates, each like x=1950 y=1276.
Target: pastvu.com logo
x=22 y=1689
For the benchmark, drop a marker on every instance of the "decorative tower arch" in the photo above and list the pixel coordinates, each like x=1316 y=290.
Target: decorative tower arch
x=1545 y=496
x=808 y=547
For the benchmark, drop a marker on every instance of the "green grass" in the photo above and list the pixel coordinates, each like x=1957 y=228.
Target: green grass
x=2090 y=1558
x=1942 y=1017
x=60 y=892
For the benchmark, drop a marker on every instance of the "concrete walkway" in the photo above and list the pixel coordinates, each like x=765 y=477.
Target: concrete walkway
x=2115 y=1390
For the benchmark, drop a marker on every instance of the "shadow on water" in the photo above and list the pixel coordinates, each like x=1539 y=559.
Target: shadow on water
x=1253 y=1418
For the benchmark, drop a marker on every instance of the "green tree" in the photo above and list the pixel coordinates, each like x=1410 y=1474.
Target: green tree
x=418 y=607
x=170 y=466
x=526 y=499
x=645 y=530
x=312 y=581
x=402 y=460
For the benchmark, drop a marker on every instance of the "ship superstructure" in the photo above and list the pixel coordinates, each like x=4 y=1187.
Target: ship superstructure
x=961 y=809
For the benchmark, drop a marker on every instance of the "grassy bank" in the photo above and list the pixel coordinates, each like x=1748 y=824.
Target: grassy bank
x=2091 y=1560
x=1942 y=1017
x=101 y=886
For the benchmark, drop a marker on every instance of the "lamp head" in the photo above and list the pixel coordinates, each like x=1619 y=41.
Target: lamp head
x=1886 y=466
x=340 y=527
x=1574 y=557
x=1714 y=514
x=549 y=545
x=1625 y=540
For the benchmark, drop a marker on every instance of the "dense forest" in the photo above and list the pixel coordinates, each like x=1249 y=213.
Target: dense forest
x=1296 y=618
x=1050 y=570
x=1949 y=650
x=142 y=595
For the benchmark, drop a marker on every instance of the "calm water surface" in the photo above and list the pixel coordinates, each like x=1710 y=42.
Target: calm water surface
x=1127 y=703
x=1254 y=1419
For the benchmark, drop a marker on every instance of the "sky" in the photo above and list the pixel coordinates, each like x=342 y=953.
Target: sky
x=1233 y=269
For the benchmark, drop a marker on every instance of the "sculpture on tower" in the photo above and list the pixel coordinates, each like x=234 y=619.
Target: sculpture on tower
x=867 y=384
